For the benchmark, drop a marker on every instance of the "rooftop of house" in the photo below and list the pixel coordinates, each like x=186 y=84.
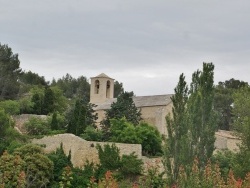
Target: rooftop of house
x=140 y=101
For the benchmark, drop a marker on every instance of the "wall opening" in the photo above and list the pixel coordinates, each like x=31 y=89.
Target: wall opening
x=108 y=89
x=97 y=86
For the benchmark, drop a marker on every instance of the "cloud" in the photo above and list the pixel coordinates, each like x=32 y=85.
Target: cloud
x=144 y=44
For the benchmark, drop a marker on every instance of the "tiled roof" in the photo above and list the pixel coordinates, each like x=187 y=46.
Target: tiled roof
x=140 y=101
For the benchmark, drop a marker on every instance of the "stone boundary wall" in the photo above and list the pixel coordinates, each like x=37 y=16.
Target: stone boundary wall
x=226 y=140
x=82 y=150
x=20 y=120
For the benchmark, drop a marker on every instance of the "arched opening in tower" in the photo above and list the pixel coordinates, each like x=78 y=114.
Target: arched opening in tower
x=108 y=89
x=97 y=86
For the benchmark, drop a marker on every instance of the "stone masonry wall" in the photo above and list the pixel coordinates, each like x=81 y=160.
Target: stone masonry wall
x=82 y=150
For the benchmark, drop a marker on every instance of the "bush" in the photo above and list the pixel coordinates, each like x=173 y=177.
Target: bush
x=92 y=134
x=11 y=107
x=109 y=156
x=147 y=135
x=37 y=126
x=150 y=139
x=131 y=165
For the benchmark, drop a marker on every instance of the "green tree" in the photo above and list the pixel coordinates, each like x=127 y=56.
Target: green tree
x=37 y=126
x=150 y=139
x=12 y=171
x=9 y=73
x=60 y=102
x=148 y=136
x=241 y=123
x=48 y=101
x=11 y=107
x=202 y=118
x=223 y=101
x=176 y=145
x=123 y=131
x=131 y=166
x=109 y=156
x=54 y=122
x=124 y=107
x=118 y=89
x=31 y=78
x=38 y=167
x=26 y=105
x=77 y=123
x=92 y=134
x=81 y=116
x=60 y=161
x=5 y=124
x=73 y=88
x=82 y=88
x=38 y=102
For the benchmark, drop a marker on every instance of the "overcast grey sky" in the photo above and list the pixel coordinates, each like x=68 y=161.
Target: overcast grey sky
x=145 y=44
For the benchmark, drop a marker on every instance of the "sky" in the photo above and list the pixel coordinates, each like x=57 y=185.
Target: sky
x=145 y=44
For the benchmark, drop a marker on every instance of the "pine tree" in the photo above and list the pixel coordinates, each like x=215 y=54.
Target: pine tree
x=9 y=73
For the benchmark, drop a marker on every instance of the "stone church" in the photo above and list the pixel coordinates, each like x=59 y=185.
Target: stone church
x=153 y=108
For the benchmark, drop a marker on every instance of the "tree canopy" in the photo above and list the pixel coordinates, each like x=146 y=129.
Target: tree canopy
x=9 y=73
x=223 y=101
x=123 y=107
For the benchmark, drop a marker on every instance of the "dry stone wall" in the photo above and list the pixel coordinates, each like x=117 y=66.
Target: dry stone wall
x=226 y=140
x=82 y=150
x=20 y=120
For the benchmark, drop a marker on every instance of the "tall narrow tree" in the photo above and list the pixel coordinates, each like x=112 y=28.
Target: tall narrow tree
x=81 y=116
x=177 y=144
x=48 y=102
x=202 y=118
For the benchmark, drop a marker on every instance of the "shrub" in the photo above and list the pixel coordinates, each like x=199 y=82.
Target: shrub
x=37 y=126
x=109 y=156
x=131 y=165
x=11 y=107
x=92 y=134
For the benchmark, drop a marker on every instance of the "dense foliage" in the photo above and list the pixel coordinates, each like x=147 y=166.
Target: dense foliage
x=223 y=101
x=177 y=147
x=191 y=130
x=148 y=136
x=123 y=107
x=81 y=116
x=9 y=73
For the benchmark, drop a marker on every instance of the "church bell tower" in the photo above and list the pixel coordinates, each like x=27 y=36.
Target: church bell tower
x=101 y=89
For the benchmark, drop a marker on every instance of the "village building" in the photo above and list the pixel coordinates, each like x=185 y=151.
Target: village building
x=153 y=108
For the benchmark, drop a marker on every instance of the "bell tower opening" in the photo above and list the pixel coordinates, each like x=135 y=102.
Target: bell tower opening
x=97 y=86
x=108 y=89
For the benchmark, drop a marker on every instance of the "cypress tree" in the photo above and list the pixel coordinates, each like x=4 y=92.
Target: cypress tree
x=38 y=102
x=54 y=122
x=48 y=102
